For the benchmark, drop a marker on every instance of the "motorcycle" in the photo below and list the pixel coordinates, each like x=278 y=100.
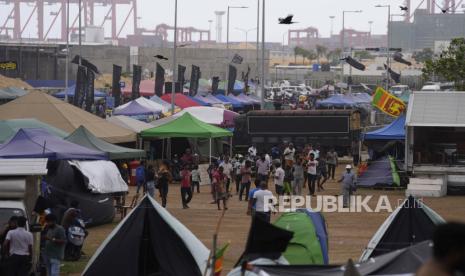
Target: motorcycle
x=76 y=236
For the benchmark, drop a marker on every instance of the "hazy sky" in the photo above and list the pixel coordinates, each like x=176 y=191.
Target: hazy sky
x=196 y=13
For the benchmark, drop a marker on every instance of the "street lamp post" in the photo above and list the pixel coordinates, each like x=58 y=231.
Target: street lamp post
x=262 y=83
x=332 y=24
x=343 y=40
x=67 y=52
x=227 y=39
x=257 y=49
x=388 y=52
x=173 y=82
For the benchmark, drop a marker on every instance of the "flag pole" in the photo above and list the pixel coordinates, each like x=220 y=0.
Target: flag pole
x=212 y=256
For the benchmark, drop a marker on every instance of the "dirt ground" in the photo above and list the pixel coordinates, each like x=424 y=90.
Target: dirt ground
x=349 y=233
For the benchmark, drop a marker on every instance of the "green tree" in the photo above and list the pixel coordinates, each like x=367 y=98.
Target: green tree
x=311 y=55
x=320 y=52
x=450 y=65
x=334 y=56
x=423 y=55
x=363 y=55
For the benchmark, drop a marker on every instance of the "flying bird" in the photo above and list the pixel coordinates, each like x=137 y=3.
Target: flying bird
x=402 y=8
x=287 y=20
x=161 y=57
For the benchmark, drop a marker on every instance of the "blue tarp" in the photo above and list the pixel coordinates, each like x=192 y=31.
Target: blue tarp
x=320 y=229
x=235 y=103
x=38 y=143
x=378 y=173
x=71 y=89
x=337 y=100
x=134 y=109
x=393 y=131
x=199 y=101
x=50 y=83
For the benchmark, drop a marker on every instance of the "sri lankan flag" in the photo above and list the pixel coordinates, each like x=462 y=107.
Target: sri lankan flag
x=388 y=103
x=219 y=256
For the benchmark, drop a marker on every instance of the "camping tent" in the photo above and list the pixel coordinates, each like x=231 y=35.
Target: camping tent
x=38 y=143
x=72 y=89
x=149 y=241
x=305 y=246
x=412 y=222
x=129 y=123
x=380 y=172
x=64 y=116
x=8 y=128
x=393 y=131
x=180 y=100
x=133 y=108
x=85 y=138
x=186 y=126
x=211 y=115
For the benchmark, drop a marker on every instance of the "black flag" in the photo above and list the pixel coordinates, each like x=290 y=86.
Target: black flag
x=79 y=91
x=231 y=79
x=136 y=78
x=237 y=59
x=400 y=58
x=159 y=80
x=215 y=82
x=181 y=73
x=85 y=63
x=195 y=76
x=354 y=63
x=90 y=90
x=116 y=87
x=395 y=76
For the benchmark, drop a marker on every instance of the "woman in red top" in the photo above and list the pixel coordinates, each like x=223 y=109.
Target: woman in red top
x=186 y=190
x=219 y=179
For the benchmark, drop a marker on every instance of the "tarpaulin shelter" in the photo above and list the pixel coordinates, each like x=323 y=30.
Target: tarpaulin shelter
x=38 y=143
x=8 y=128
x=129 y=123
x=134 y=108
x=9 y=93
x=236 y=104
x=209 y=98
x=380 y=172
x=149 y=241
x=166 y=106
x=64 y=116
x=412 y=222
x=180 y=100
x=393 y=131
x=338 y=100
x=305 y=246
x=82 y=136
x=199 y=101
x=72 y=89
x=211 y=115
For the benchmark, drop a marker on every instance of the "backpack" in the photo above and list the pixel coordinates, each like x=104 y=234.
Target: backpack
x=140 y=173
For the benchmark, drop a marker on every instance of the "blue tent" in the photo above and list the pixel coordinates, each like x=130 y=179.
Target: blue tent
x=199 y=101
x=337 y=100
x=235 y=103
x=393 y=131
x=134 y=109
x=71 y=89
x=321 y=231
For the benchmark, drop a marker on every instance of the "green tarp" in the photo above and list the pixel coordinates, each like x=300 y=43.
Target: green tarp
x=186 y=126
x=10 y=93
x=85 y=138
x=304 y=248
x=8 y=128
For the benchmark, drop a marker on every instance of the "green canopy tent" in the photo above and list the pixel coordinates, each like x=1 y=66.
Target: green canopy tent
x=85 y=138
x=8 y=128
x=186 y=126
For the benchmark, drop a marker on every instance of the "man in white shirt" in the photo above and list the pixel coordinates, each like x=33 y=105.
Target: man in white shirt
x=279 y=179
x=262 y=203
x=227 y=170
x=289 y=153
x=252 y=151
x=312 y=164
x=18 y=243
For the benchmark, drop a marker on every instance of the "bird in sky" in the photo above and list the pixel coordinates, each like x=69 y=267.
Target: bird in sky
x=402 y=8
x=161 y=57
x=287 y=20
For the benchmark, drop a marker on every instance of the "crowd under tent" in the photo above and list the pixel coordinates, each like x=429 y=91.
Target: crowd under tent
x=38 y=143
x=72 y=89
x=410 y=223
x=129 y=123
x=64 y=116
x=180 y=100
x=149 y=241
x=82 y=136
x=133 y=108
x=8 y=128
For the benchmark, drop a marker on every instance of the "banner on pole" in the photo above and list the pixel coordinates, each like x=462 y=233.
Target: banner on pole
x=116 y=84
x=159 y=80
x=231 y=78
x=195 y=76
x=136 y=78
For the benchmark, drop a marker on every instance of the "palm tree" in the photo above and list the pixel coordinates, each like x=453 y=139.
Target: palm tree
x=321 y=52
x=310 y=55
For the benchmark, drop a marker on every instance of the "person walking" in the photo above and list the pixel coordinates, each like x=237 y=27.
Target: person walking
x=196 y=179
x=312 y=165
x=298 y=172
x=18 y=245
x=140 y=176
x=219 y=179
x=288 y=178
x=322 y=172
x=262 y=203
x=228 y=171
x=251 y=205
x=186 y=188
x=246 y=173
x=288 y=154
x=150 y=179
x=332 y=161
x=237 y=172
x=164 y=178
x=263 y=168
x=55 y=241
x=279 y=179
x=348 y=186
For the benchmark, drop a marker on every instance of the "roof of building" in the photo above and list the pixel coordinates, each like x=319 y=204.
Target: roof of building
x=23 y=166
x=445 y=109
